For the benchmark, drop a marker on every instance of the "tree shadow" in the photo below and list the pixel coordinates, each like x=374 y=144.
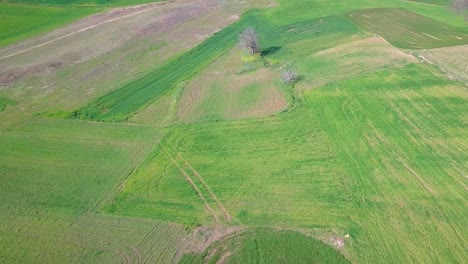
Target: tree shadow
x=270 y=50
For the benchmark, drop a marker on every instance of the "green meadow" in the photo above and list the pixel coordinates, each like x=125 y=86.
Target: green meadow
x=210 y=158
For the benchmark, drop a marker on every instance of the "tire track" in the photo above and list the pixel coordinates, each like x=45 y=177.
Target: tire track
x=226 y=214
x=194 y=186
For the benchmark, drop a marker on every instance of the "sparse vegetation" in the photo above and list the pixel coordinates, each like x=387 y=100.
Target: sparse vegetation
x=461 y=6
x=289 y=76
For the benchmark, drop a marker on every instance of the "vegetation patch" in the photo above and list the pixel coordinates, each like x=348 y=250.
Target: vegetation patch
x=5 y=101
x=408 y=30
x=267 y=246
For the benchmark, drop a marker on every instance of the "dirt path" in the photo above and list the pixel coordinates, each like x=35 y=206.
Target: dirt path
x=130 y=12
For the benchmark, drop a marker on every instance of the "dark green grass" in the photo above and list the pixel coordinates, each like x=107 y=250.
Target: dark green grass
x=18 y=22
x=267 y=246
x=122 y=103
x=409 y=30
x=5 y=101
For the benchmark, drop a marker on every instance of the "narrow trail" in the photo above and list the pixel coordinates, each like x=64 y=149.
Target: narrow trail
x=194 y=186
x=150 y=7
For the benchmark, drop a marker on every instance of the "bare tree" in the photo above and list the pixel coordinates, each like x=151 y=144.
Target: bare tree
x=461 y=6
x=248 y=40
x=289 y=77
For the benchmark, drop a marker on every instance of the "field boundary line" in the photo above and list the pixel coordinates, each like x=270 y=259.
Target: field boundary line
x=194 y=186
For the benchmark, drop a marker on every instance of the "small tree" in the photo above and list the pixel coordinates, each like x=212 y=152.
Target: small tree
x=289 y=77
x=461 y=6
x=248 y=40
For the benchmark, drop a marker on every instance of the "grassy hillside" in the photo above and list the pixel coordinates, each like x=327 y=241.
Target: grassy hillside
x=71 y=166
x=313 y=34
x=351 y=156
x=364 y=157
x=18 y=22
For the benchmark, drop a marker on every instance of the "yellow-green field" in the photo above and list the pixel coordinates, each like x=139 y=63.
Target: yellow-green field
x=167 y=143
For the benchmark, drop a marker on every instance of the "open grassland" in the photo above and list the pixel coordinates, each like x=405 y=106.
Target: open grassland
x=304 y=36
x=77 y=68
x=54 y=174
x=51 y=237
x=388 y=170
x=367 y=152
x=18 y=22
x=267 y=246
x=71 y=166
x=124 y=102
x=409 y=30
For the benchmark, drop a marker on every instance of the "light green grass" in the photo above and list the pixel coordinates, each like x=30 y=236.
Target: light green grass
x=267 y=246
x=68 y=165
x=361 y=156
x=409 y=30
x=379 y=155
x=35 y=235
x=18 y=22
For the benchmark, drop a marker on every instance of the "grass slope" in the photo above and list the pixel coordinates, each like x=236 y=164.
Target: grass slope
x=267 y=246
x=124 y=102
x=18 y=22
x=361 y=156
x=409 y=30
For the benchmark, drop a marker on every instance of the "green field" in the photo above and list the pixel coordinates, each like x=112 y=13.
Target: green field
x=18 y=22
x=409 y=30
x=210 y=158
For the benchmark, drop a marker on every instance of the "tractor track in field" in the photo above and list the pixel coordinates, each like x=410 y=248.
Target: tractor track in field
x=194 y=186
x=190 y=180
x=213 y=196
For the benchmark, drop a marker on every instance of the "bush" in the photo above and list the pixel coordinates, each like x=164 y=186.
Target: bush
x=289 y=77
